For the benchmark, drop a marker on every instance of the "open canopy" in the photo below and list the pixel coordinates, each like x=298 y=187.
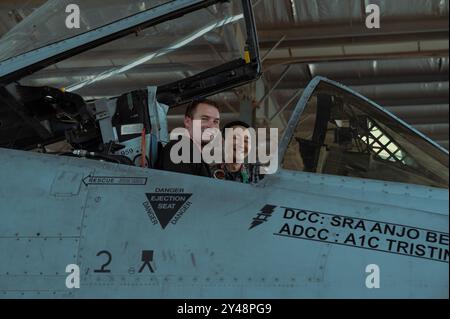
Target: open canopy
x=135 y=38
x=46 y=25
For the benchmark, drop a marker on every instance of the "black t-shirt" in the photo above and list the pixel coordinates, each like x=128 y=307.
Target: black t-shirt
x=199 y=169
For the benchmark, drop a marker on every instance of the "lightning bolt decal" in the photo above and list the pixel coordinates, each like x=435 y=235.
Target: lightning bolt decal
x=263 y=216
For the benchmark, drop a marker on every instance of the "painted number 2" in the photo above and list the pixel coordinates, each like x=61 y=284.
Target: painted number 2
x=103 y=268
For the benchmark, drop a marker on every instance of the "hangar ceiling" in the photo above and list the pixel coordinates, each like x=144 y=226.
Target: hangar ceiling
x=402 y=66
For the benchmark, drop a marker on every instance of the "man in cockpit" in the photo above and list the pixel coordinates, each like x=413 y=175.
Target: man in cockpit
x=205 y=114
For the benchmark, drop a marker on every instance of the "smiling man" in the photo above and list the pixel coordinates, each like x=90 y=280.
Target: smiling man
x=205 y=115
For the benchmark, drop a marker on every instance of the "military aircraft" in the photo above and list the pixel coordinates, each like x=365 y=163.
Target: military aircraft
x=357 y=209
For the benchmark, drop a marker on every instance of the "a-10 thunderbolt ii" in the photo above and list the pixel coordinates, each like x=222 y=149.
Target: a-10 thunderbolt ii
x=358 y=207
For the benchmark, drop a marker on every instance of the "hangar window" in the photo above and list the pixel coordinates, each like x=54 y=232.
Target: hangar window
x=382 y=145
x=339 y=133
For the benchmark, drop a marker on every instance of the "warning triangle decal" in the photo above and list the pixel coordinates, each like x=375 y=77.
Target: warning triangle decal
x=166 y=205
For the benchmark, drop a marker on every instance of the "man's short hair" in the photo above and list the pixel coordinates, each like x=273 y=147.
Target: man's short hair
x=190 y=110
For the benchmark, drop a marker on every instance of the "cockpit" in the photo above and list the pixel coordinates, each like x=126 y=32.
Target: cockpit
x=154 y=55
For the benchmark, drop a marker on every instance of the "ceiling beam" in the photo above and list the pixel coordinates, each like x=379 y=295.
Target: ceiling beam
x=354 y=57
x=330 y=31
